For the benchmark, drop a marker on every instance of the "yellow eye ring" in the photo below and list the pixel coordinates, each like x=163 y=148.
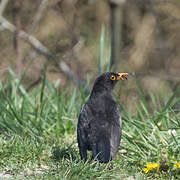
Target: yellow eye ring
x=113 y=77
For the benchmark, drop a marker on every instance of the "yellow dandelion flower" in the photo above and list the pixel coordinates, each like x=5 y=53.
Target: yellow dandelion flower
x=177 y=164
x=146 y=170
x=151 y=166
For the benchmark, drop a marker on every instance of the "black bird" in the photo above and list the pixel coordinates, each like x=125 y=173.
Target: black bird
x=99 y=124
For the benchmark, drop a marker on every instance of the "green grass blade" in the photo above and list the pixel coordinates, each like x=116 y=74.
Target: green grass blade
x=101 y=51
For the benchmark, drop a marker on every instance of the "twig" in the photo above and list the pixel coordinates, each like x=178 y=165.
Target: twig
x=39 y=14
x=30 y=39
x=3 y=5
x=17 y=45
x=39 y=47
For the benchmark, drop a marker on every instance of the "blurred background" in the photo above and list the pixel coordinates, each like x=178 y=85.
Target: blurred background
x=75 y=40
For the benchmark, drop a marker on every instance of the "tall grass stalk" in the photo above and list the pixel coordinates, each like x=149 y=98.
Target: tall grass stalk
x=101 y=51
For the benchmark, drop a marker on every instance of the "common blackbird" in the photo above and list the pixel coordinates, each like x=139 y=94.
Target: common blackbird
x=99 y=124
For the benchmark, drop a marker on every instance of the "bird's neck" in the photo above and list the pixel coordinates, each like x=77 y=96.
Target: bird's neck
x=99 y=91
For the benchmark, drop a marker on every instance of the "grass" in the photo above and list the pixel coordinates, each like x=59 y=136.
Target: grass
x=38 y=135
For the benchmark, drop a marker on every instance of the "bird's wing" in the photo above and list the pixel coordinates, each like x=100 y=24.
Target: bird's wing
x=83 y=129
x=85 y=116
x=116 y=130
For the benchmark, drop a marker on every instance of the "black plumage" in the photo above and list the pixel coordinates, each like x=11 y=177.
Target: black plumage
x=99 y=124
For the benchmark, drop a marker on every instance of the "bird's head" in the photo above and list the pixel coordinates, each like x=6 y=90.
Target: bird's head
x=106 y=81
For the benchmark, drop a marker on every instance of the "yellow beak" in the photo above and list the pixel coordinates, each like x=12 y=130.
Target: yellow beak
x=122 y=76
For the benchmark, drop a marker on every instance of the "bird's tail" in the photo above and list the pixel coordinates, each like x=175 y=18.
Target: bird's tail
x=103 y=151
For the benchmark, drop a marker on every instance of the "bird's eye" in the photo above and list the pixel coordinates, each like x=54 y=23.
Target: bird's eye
x=113 y=77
